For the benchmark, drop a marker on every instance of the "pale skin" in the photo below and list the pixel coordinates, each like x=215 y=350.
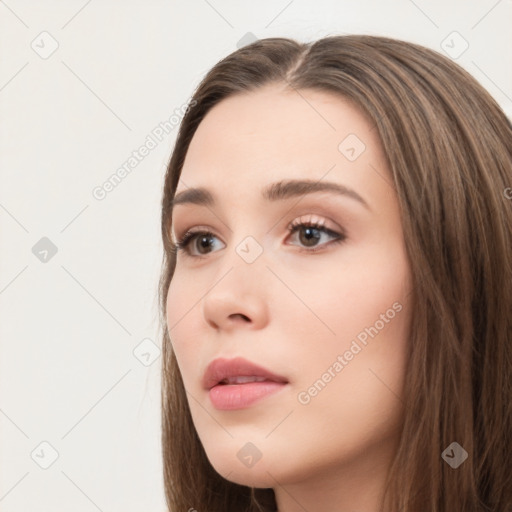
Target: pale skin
x=301 y=310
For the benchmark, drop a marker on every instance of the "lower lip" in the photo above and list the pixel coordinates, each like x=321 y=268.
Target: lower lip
x=228 y=397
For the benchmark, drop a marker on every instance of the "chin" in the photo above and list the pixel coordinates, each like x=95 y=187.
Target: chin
x=255 y=473
x=250 y=477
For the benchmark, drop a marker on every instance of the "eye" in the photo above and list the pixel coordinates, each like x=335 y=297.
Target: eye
x=309 y=235
x=184 y=242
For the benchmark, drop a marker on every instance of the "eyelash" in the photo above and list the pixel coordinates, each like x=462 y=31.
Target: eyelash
x=188 y=236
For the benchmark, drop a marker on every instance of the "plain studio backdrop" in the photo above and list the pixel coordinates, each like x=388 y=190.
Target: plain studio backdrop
x=84 y=85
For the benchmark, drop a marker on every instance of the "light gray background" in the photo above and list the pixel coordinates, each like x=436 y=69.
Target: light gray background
x=69 y=377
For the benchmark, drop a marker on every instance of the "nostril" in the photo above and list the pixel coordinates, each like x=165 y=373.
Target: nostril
x=243 y=317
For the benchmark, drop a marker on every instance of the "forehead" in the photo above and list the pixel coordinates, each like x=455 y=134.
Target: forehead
x=249 y=140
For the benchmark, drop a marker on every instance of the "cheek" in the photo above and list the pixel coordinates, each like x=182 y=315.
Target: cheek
x=365 y=393
x=344 y=409
x=357 y=295
x=177 y=298
x=180 y=313
x=357 y=371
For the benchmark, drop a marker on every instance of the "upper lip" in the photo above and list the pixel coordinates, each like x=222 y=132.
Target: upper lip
x=221 y=368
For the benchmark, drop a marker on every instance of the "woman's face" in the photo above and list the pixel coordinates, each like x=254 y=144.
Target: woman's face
x=326 y=308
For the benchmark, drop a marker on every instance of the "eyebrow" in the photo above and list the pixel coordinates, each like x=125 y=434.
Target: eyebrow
x=273 y=192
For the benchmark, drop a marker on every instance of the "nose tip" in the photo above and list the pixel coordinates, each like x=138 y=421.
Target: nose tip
x=237 y=301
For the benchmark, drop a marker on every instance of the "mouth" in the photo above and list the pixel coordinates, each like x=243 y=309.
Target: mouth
x=238 y=383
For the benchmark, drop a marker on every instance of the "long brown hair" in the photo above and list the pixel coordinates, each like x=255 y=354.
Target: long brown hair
x=449 y=148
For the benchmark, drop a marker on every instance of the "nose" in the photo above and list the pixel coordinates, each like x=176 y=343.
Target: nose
x=238 y=299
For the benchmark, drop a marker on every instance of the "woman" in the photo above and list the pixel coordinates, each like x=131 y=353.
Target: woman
x=341 y=337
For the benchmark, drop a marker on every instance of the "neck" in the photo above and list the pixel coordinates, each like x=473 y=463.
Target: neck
x=357 y=485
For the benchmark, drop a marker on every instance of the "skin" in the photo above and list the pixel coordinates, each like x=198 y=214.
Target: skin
x=301 y=309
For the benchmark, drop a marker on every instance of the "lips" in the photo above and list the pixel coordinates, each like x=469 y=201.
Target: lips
x=237 y=371
x=234 y=384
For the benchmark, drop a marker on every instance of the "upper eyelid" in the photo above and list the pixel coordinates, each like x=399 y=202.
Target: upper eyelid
x=309 y=218
x=323 y=206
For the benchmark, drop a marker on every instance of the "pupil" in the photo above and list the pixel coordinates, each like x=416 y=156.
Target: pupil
x=310 y=236
x=204 y=242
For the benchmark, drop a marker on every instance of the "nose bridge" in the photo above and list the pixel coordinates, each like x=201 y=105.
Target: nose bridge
x=247 y=238
x=240 y=290
x=245 y=263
